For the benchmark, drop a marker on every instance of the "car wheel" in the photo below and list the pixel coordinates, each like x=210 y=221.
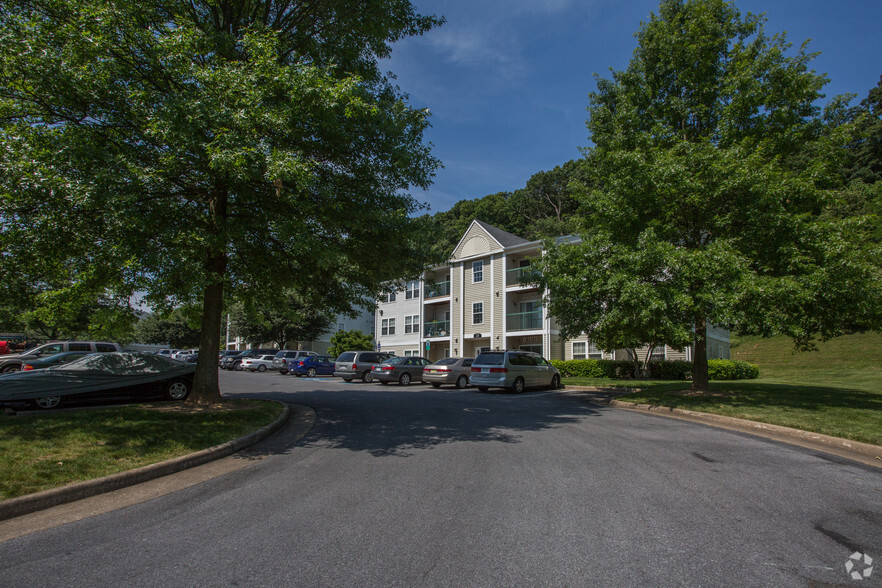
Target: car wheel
x=10 y=368
x=261 y=368
x=404 y=380
x=436 y=385
x=555 y=382
x=518 y=385
x=462 y=382
x=177 y=390
x=483 y=388
x=347 y=380
x=47 y=402
x=311 y=372
x=366 y=377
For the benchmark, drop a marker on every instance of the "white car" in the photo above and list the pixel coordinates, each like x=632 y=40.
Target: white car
x=260 y=363
x=180 y=355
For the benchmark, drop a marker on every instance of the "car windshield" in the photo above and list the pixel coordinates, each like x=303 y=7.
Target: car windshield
x=490 y=359
x=447 y=361
x=122 y=364
x=394 y=360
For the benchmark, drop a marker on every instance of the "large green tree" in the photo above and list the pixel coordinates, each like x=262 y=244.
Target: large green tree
x=710 y=172
x=349 y=341
x=280 y=320
x=206 y=150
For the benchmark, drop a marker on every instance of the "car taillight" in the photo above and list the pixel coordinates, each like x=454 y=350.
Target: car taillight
x=354 y=366
x=26 y=367
x=476 y=369
x=387 y=368
x=300 y=363
x=498 y=370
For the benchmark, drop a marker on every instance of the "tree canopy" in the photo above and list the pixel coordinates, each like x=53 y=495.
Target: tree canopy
x=349 y=341
x=210 y=150
x=709 y=176
x=283 y=320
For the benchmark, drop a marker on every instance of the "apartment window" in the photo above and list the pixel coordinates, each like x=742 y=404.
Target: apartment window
x=477 y=313
x=340 y=326
x=477 y=272
x=412 y=290
x=388 y=327
x=412 y=324
x=586 y=350
x=412 y=353
x=389 y=296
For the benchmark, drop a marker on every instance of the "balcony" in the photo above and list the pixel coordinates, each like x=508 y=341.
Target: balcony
x=438 y=290
x=524 y=321
x=518 y=276
x=436 y=329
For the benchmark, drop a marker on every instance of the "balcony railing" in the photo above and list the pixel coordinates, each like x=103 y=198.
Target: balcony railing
x=436 y=329
x=438 y=290
x=518 y=276
x=524 y=321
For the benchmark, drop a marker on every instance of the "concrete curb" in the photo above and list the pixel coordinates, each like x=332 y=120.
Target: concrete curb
x=863 y=452
x=22 y=505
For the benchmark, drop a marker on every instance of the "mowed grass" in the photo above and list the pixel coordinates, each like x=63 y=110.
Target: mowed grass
x=835 y=391
x=45 y=451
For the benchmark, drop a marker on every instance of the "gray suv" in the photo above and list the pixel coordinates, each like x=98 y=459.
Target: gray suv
x=515 y=370
x=358 y=364
x=12 y=363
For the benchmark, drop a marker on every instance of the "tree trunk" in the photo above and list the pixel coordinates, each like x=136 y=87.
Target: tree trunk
x=206 y=389
x=699 y=356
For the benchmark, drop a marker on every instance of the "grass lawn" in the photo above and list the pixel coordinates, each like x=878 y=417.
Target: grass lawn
x=835 y=391
x=46 y=451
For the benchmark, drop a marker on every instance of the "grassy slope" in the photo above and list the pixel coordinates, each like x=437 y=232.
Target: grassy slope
x=836 y=390
x=851 y=361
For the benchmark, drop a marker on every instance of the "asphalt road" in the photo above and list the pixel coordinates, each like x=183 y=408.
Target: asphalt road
x=422 y=487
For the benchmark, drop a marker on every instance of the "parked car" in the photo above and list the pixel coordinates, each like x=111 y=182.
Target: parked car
x=284 y=356
x=182 y=353
x=99 y=376
x=515 y=370
x=13 y=361
x=223 y=355
x=358 y=364
x=235 y=362
x=403 y=370
x=312 y=366
x=52 y=360
x=189 y=357
x=450 y=370
x=167 y=352
x=258 y=364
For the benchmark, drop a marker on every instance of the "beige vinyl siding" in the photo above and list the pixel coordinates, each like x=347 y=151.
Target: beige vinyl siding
x=498 y=301
x=675 y=355
x=456 y=304
x=473 y=293
x=556 y=348
x=475 y=242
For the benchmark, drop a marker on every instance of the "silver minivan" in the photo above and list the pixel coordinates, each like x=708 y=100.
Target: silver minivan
x=515 y=370
x=358 y=364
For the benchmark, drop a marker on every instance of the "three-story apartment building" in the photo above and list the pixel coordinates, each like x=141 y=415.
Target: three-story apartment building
x=481 y=301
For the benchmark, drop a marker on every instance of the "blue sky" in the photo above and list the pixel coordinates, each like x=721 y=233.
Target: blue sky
x=507 y=81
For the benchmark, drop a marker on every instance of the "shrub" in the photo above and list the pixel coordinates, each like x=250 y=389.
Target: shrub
x=728 y=369
x=670 y=370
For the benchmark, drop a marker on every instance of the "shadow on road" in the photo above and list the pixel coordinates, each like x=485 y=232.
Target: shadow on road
x=399 y=422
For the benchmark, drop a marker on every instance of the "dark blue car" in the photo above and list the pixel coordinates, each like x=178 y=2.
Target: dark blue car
x=312 y=365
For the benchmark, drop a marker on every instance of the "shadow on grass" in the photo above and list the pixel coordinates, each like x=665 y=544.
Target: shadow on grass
x=761 y=394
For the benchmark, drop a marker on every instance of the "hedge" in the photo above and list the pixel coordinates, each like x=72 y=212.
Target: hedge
x=718 y=369
x=728 y=369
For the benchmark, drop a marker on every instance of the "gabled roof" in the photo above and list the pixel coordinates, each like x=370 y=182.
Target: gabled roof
x=503 y=238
